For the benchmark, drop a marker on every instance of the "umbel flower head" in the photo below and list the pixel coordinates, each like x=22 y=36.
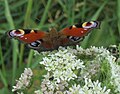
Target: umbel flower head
x=89 y=88
x=115 y=77
x=24 y=80
x=75 y=71
x=62 y=65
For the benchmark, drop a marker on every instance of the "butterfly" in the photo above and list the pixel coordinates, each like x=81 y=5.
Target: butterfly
x=47 y=41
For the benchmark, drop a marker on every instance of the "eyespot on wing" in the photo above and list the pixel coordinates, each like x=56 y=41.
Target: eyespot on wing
x=80 y=30
x=26 y=35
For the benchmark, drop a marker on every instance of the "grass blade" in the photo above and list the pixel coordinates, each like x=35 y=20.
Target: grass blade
x=2 y=60
x=45 y=14
x=8 y=15
x=30 y=57
x=28 y=13
x=26 y=22
x=95 y=16
x=21 y=55
x=3 y=79
x=15 y=43
x=118 y=14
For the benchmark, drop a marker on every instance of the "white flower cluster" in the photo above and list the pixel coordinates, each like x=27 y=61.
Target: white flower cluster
x=49 y=86
x=38 y=92
x=115 y=70
x=68 y=68
x=62 y=65
x=89 y=88
x=20 y=93
x=103 y=53
x=92 y=51
x=96 y=56
x=24 y=80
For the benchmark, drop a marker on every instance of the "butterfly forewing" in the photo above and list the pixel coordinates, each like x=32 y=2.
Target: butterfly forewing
x=26 y=35
x=76 y=33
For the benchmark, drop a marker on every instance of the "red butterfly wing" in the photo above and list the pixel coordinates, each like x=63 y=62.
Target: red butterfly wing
x=27 y=36
x=77 y=32
x=33 y=38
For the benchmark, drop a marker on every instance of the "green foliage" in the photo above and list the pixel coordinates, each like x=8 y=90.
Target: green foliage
x=43 y=14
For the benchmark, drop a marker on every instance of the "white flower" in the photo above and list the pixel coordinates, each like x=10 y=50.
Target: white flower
x=89 y=88
x=38 y=92
x=94 y=87
x=24 y=80
x=115 y=70
x=92 y=51
x=20 y=93
x=75 y=89
x=62 y=65
x=49 y=85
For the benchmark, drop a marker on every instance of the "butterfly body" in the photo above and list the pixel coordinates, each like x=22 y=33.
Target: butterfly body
x=47 y=41
x=53 y=39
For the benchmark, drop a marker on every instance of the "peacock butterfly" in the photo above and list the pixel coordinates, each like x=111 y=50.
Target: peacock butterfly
x=47 y=41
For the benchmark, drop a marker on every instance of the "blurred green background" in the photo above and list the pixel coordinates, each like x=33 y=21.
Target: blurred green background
x=43 y=14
